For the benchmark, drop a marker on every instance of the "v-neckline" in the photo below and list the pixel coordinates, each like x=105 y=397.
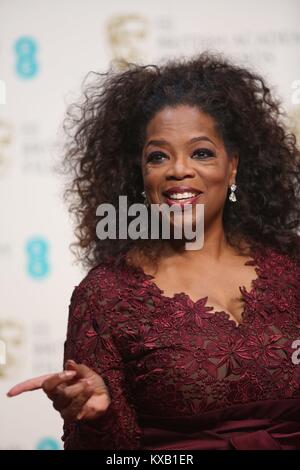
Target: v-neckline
x=253 y=261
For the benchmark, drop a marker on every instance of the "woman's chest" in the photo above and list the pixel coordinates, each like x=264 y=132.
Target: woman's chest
x=221 y=287
x=202 y=364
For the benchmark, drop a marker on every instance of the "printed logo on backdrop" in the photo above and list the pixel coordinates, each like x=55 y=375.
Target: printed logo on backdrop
x=6 y=139
x=47 y=347
x=26 y=61
x=48 y=443
x=2 y=352
x=37 y=152
x=127 y=35
x=6 y=252
x=295 y=98
x=42 y=353
x=294 y=122
x=37 y=253
x=12 y=334
x=2 y=92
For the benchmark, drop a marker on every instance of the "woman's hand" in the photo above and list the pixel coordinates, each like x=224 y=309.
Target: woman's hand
x=77 y=393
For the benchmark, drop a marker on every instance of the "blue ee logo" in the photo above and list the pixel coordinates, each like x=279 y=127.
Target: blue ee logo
x=48 y=443
x=26 y=62
x=37 y=265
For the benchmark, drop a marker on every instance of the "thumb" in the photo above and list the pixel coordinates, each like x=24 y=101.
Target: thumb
x=83 y=371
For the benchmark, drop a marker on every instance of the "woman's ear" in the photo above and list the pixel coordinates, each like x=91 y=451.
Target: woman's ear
x=234 y=161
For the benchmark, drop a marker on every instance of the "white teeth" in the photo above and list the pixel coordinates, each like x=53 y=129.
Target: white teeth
x=182 y=195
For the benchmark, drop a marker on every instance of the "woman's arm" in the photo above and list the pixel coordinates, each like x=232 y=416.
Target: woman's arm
x=89 y=341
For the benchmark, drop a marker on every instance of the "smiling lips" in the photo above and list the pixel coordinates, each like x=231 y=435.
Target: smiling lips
x=181 y=195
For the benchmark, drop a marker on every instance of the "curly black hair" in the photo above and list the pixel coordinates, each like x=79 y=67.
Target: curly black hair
x=106 y=131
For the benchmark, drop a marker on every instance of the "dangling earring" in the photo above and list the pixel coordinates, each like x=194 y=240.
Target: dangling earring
x=232 y=196
x=143 y=193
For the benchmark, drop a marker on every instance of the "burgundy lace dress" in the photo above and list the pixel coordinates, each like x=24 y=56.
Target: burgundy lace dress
x=182 y=376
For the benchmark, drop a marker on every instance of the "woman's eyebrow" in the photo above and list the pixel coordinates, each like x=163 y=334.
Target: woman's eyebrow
x=165 y=142
x=157 y=142
x=203 y=137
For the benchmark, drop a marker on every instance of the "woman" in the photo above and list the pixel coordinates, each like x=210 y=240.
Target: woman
x=169 y=348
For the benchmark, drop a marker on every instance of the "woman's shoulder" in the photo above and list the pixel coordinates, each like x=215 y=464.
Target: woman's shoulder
x=108 y=275
x=279 y=260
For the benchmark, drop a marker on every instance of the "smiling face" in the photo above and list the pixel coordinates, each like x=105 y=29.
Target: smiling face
x=184 y=160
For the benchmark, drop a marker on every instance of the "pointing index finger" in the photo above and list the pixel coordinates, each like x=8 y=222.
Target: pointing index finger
x=29 y=385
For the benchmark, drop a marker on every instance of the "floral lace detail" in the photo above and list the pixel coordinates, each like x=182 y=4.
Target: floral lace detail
x=169 y=356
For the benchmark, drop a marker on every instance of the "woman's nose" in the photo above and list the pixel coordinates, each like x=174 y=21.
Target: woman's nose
x=180 y=169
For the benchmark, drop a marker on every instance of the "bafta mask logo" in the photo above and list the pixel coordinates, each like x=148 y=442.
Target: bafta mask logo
x=126 y=35
x=12 y=336
x=5 y=142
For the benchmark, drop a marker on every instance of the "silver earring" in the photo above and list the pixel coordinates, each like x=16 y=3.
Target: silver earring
x=232 y=196
x=143 y=193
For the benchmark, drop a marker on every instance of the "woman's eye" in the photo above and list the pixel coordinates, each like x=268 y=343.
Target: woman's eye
x=155 y=157
x=203 y=153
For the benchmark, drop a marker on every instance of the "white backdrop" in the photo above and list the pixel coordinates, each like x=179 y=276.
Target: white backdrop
x=46 y=49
